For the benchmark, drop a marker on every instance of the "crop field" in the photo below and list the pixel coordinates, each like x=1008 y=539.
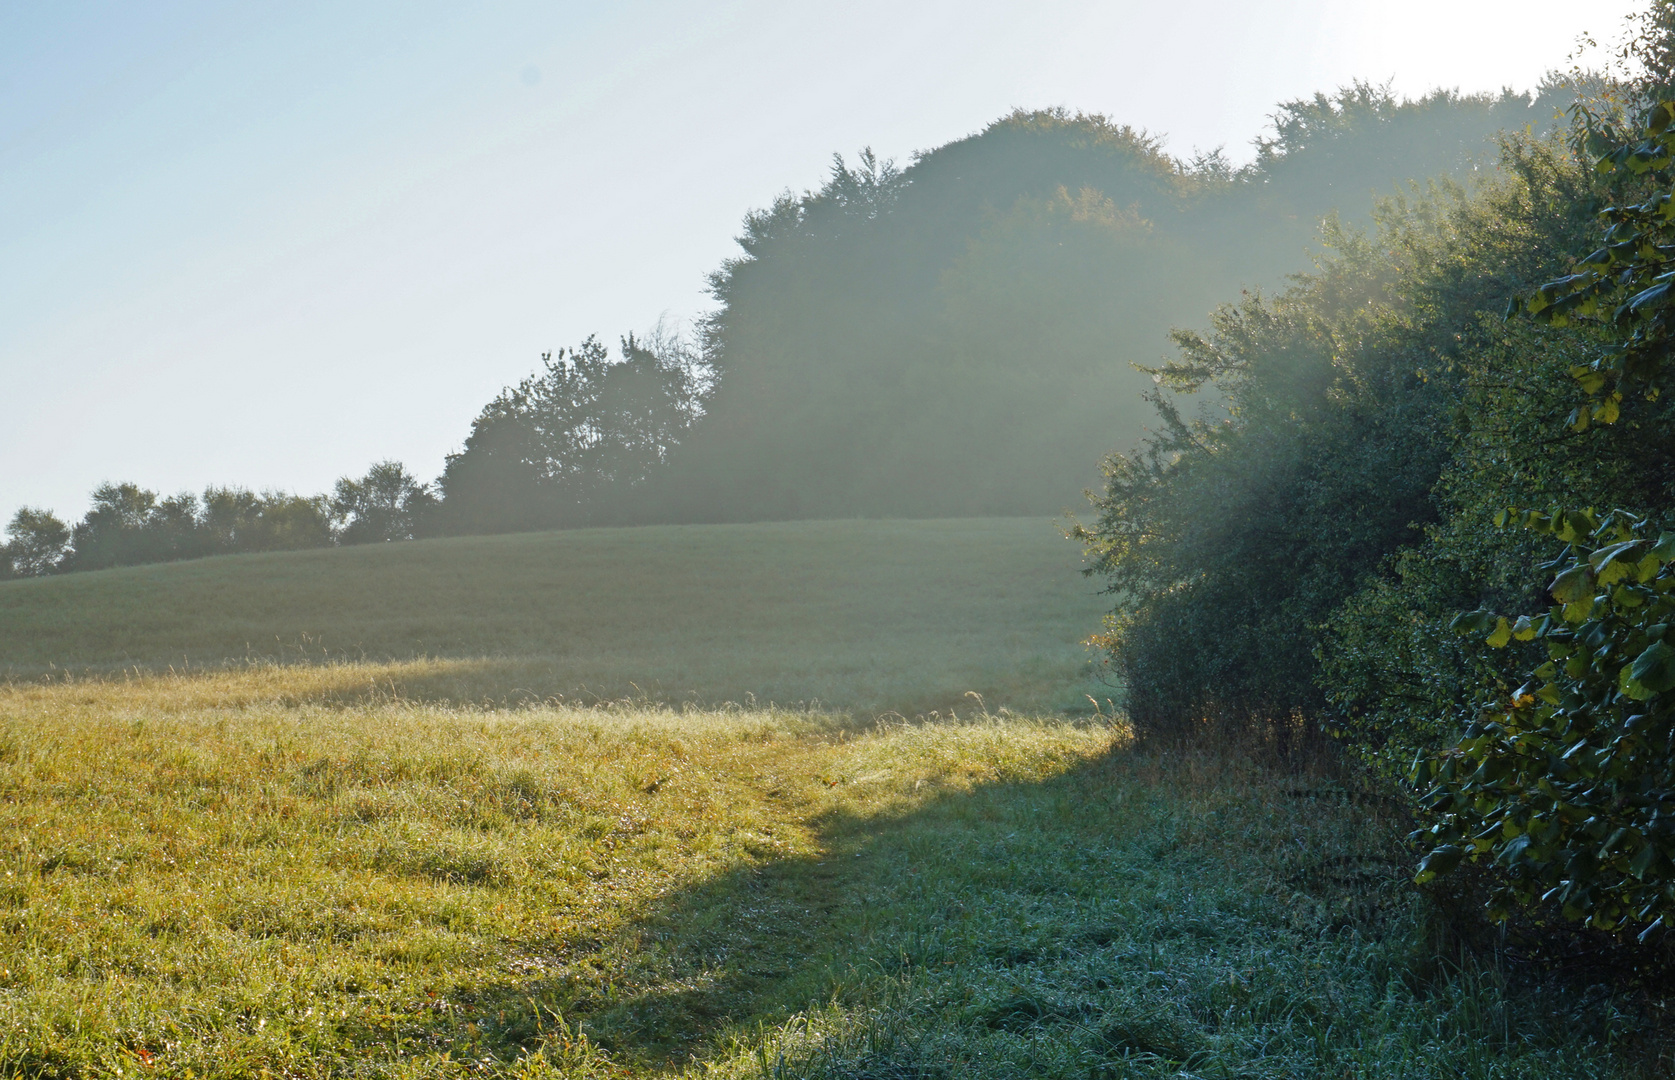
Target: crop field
x=417 y=864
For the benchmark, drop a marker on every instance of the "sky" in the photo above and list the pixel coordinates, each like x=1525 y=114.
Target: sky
x=268 y=244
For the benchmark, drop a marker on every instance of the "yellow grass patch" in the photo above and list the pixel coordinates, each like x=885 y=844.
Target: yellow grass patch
x=234 y=872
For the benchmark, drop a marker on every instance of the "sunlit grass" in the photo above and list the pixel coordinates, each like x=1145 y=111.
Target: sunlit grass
x=196 y=876
x=221 y=875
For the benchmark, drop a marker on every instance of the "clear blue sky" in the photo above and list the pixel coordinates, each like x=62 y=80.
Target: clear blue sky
x=269 y=243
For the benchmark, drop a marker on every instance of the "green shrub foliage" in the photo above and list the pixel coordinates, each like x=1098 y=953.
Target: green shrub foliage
x=1568 y=783
x=1354 y=417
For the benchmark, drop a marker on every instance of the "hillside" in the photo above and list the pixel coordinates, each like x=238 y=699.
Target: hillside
x=854 y=614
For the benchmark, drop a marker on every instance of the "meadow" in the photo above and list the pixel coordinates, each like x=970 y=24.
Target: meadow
x=402 y=866
x=849 y=615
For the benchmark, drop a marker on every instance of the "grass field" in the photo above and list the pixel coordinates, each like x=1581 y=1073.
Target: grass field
x=404 y=868
x=860 y=615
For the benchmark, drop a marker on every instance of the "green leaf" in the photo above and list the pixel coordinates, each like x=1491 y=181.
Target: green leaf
x=1644 y=861
x=1439 y=861
x=1655 y=668
x=1574 y=585
x=1472 y=622
x=1501 y=635
x=1630 y=687
x=1514 y=849
x=1658 y=117
x=1657 y=294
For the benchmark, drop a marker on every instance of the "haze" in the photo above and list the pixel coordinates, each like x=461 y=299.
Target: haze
x=267 y=246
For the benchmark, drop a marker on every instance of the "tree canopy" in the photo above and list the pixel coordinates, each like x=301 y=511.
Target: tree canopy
x=959 y=336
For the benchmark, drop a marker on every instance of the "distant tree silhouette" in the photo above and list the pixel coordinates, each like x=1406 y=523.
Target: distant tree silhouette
x=387 y=503
x=577 y=442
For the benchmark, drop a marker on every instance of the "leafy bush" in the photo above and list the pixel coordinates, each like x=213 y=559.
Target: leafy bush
x=1569 y=782
x=1227 y=539
x=1352 y=415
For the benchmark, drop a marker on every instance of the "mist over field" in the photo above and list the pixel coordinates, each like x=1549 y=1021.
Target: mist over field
x=965 y=334
x=267 y=248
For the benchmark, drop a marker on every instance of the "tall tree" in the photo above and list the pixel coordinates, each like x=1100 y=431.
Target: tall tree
x=958 y=336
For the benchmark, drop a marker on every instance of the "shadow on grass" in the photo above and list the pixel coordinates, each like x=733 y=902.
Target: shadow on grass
x=1144 y=913
x=1139 y=908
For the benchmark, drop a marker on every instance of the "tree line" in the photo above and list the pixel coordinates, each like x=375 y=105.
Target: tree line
x=128 y=525
x=952 y=338
x=570 y=445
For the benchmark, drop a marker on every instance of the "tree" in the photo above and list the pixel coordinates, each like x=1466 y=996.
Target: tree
x=580 y=441
x=36 y=543
x=128 y=524
x=235 y=519
x=956 y=337
x=385 y=504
